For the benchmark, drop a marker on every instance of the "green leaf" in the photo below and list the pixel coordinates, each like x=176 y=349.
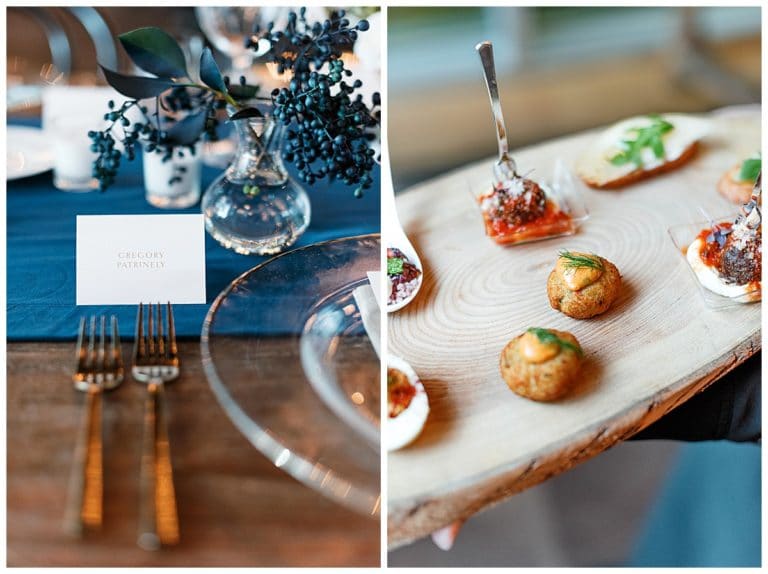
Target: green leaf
x=620 y=159
x=210 y=73
x=136 y=87
x=548 y=337
x=645 y=137
x=573 y=260
x=188 y=130
x=394 y=265
x=658 y=147
x=246 y=113
x=750 y=169
x=246 y=92
x=155 y=51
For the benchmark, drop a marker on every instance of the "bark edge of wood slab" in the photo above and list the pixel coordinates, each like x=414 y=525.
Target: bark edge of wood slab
x=405 y=525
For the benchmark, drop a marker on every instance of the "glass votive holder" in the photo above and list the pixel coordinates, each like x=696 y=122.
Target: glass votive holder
x=72 y=155
x=172 y=183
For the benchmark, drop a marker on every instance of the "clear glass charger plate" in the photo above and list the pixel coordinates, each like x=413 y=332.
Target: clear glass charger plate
x=286 y=354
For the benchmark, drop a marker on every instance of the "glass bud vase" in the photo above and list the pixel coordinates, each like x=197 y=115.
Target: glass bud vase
x=255 y=207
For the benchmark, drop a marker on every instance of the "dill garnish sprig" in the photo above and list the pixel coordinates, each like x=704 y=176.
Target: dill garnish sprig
x=548 y=337
x=574 y=261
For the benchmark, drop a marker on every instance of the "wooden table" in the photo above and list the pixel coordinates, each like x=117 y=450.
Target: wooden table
x=656 y=347
x=235 y=507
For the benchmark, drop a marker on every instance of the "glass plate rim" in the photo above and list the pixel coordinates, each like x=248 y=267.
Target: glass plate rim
x=313 y=474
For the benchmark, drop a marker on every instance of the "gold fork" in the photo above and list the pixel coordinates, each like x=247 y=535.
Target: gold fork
x=156 y=362
x=97 y=369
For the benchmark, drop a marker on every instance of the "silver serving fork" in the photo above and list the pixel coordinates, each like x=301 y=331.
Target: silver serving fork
x=752 y=213
x=505 y=168
x=156 y=362
x=98 y=368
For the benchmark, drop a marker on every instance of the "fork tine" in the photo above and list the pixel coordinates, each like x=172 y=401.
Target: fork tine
x=81 y=345
x=151 y=330
x=160 y=340
x=91 y=360
x=114 y=348
x=172 y=349
x=139 y=348
x=101 y=362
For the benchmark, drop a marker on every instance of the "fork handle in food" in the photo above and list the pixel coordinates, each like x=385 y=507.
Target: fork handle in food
x=485 y=50
x=754 y=211
x=86 y=486
x=158 y=518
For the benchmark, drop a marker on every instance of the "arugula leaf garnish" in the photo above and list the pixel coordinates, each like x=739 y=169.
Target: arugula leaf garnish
x=548 y=337
x=646 y=137
x=750 y=168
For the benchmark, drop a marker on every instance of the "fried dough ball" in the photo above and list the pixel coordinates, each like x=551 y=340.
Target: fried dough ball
x=582 y=292
x=541 y=364
x=734 y=189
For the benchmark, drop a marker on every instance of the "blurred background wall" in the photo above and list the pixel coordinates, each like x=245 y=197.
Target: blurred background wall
x=29 y=30
x=561 y=70
x=63 y=44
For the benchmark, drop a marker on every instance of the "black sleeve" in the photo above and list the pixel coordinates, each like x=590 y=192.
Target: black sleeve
x=727 y=410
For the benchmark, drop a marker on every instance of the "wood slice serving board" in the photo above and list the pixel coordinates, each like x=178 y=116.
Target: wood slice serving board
x=656 y=347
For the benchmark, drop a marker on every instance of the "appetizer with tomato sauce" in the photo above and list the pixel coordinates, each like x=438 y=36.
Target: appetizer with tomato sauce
x=403 y=277
x=640 y=147
x=541 y=364
x=583 y=285
x=736 y=184
x=407 y=404
x=727 y=257
x=519 y=210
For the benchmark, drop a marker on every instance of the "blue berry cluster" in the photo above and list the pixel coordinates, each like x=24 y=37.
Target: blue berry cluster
x=329 y=126
x=151 y=133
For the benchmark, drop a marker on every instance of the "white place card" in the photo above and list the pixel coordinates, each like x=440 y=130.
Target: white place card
x=128 y=259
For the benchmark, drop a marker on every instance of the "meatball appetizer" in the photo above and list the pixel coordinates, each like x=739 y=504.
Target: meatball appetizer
x=727 y=257
x=736 y=184
x=519 y=210
x=582 y=285
x=541 y=364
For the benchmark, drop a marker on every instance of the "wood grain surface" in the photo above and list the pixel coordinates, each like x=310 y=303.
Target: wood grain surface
x=656 y=347
x=235 y=507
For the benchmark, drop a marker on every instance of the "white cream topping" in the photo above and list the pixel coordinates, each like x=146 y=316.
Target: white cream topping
x=709 y=276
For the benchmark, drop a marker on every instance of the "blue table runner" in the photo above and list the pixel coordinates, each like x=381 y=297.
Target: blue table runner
x=41 y=248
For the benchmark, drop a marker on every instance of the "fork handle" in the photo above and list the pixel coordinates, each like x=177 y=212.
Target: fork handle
x=86 y=485
x=158 y=520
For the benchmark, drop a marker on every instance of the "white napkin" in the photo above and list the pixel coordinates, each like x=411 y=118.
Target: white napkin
x=367 y=299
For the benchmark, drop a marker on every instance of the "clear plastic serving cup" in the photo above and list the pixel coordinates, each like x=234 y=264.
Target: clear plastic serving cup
x=682 y=236
x=562 y=188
